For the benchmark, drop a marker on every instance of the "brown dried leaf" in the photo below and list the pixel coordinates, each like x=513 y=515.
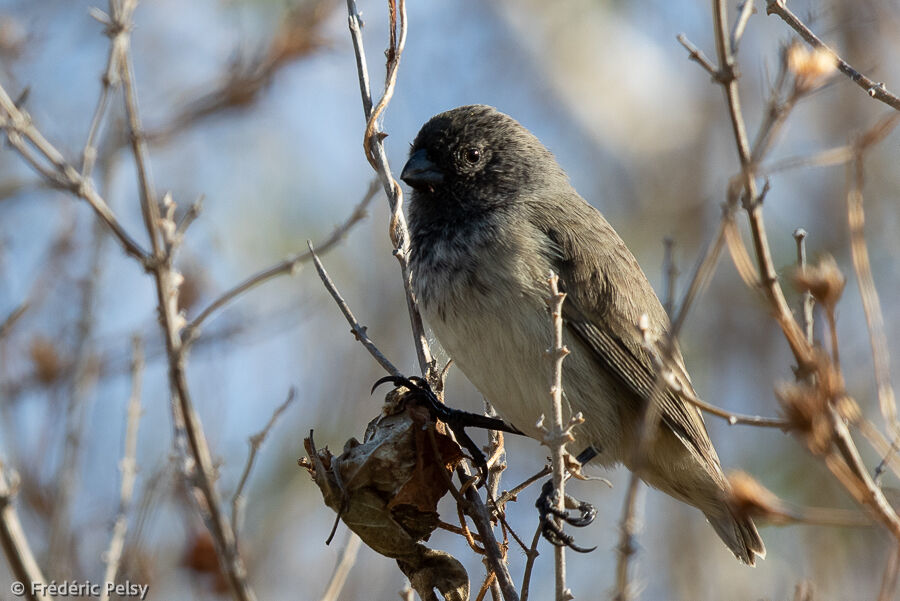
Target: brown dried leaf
x=386 y=488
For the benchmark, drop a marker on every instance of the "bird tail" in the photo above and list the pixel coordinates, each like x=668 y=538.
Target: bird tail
x=739 y=534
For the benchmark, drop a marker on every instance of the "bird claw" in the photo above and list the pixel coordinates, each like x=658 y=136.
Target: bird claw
x=456 y=419
x=548 y=512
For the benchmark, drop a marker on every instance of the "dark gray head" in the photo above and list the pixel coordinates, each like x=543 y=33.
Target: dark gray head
x=474 y=158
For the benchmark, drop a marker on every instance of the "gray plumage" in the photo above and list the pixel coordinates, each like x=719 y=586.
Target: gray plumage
x=491 y=214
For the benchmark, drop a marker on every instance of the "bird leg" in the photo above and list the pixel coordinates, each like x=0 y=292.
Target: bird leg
x=546 y=505
x=456 y=419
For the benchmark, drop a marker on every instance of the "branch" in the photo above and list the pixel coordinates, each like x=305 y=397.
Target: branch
x=129 y=469
x=871 y=305
x=373 y=145
x=289 y=266
x=358 y=331
x=876 y=90
x=17 y=124
x=22 y=564
x=161 y=229
x=628 y=529
x=256 y=441
x=558 y=434
x=343 y=567
x=11 y=319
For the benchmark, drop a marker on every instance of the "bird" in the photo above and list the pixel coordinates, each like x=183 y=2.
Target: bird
x=491 y=214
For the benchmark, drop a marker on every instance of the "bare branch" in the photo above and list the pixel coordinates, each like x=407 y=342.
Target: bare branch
x=161 y=229
x=745 y=9
x=128 y=467
x=889 y=579
x=373 y=145
x=11 y=319
x=288 y=266
x=17 y=124
x=256 y=441
x=874 y=89
x=15 y=544
x=343 y=567
x=531 y=556
x=806 y=299
x=359 y=331
x=628 y=529
x=558 y=434
x=871 y=304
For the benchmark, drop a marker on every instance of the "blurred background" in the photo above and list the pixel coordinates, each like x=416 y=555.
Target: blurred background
x=275 y=149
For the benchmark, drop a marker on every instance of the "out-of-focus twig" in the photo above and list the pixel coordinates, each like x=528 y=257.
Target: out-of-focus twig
x=161 y=229
x=288 y=266
x=11 y=319
x=861 y=264
x=15 y=544
x=128 y=468
x=806 y=299
x=23 y=135
x=889 y=578
x=120 y=13
x=874 y=89
x=237 y=500
x=342 y=568
x=628 y=528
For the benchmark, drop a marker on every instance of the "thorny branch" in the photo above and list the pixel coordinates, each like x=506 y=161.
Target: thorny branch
x=558 y=434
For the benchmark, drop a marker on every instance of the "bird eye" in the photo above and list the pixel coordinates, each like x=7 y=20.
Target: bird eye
x=472 y=155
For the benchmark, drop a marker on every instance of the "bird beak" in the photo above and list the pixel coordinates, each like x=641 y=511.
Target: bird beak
x=420 y=173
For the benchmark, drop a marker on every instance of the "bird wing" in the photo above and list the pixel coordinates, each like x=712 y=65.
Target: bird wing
x=607 y=293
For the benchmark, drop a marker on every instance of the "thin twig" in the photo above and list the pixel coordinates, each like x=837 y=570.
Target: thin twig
x=128 y=467
x=21 y=561
x=531 y=556
x=358 y=330
x=745 y=9
x=373 y=145
x=255 y=441
x=670 y=271
x=871 y=305
x=343 y=567
x=481 y=518
x=161 y=229
x=889 y=578
x=289 y=266
x=119 y=15
x=874 y=89
x=806 y=299
x=558 y=434
x=868 y=493
x=83 y=379
x=628 y=529
x=17 y=124
x=11 y=319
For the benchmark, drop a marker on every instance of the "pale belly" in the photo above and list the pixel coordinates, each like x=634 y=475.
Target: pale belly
x=499 y=343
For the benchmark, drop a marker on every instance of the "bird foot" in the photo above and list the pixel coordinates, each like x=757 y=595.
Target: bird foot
x=456 y=419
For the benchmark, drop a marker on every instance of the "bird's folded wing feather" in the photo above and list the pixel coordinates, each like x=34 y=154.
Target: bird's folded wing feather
x=607 y=293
